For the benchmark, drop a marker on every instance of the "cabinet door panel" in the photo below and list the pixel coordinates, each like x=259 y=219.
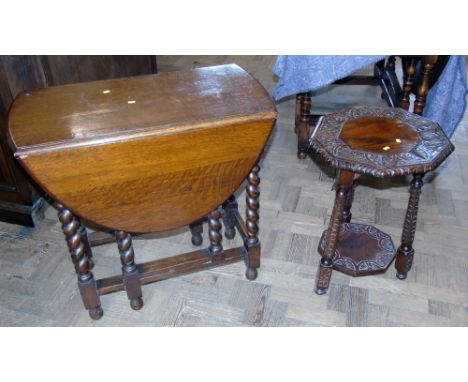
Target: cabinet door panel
x=62 y=70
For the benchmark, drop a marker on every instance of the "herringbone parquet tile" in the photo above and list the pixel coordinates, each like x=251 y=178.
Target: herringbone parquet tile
x=38 y=285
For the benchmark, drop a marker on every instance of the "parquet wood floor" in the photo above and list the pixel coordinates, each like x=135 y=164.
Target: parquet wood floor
x=38 y=284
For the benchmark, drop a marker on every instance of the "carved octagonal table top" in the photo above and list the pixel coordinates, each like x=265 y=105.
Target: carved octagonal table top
x=381 y=141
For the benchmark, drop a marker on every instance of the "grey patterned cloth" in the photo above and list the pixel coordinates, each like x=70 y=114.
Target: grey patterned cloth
x=446 y=101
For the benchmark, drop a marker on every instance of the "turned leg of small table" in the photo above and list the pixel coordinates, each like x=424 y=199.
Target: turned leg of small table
x=79 y=255
x=410 y=70
x=348 y=204
x=229 y=217
x=214 y=226
x=303 y=103
x=405 y=252
x=428 y=63
x=344 y=185
x=252 y=206
x=129 y=269
x=196 y=228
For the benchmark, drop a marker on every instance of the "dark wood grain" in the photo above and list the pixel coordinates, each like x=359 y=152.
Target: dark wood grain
x=19 y=201
x=405 y=251
x=361 y=250
x=251 y=222
x=61 y=70
x=379 y=142
x=382 y=135
x=357 y=139
x=428 y=63
x=408 y=81
x=214 y=223
x=163 y=269
x=344 y=185
x=303 y=106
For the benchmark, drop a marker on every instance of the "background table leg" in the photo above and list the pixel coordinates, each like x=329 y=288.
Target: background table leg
x=410 y=71
x=196 y=228
x=303 y=125
x=428 y=63
x=229 y=217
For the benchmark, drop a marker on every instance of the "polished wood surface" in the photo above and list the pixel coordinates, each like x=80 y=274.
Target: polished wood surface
x=91 y=113
x=411 y=144
x=362 y=250
x=383 y=75
x=19 y=201
x=381 y=142
x=162 y=162
x=38 y=280
x=428 y=63
x=381 y=135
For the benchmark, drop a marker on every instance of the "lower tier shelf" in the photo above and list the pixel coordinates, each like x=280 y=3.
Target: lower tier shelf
x=361 y=250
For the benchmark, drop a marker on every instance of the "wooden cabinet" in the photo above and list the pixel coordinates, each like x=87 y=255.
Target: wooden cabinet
x=19 y=200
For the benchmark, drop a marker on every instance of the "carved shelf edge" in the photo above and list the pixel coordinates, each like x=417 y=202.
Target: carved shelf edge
x=431 y=151
x=373 y=253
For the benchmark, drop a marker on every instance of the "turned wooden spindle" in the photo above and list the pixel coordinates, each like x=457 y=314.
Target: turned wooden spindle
x=83 y=265
x=87 y=245
x=196 y=228
x=129 y=269
x=214 y=224
x=251 y=221
x=405 y=252
x=303 y=126
x=344 y=185
x=408 y=82
x=297 y=114
x=229 y=217
x=347 y=215
x=428 y=63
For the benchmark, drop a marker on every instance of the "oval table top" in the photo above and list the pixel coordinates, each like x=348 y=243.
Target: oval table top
x=146 y=153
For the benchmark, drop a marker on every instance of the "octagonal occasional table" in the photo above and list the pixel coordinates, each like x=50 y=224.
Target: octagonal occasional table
x=381 y=142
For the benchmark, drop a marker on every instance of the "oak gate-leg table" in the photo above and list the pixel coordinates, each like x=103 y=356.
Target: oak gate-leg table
x=148 y=154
